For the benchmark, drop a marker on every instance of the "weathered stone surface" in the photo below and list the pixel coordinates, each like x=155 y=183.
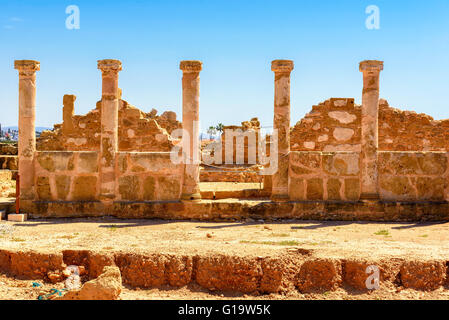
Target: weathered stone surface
x=333 y=189
x=107 y=286
x=319 y=275
x=431 y=188
x=169 y=188
x=43 y=188
x=352 y=189
x=88 y=162
x=315 y=189
x=341 y=164
x=343 y=134
x=85 y=188
x=63 y=183
x=296 y=189
x=397 y=188
x=423 y=275
x=149 y=188
x=129 y=187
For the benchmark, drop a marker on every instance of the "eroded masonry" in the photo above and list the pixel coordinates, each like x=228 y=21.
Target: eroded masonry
x=341 y=161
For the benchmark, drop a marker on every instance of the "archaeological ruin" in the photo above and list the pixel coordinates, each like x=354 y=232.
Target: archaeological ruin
x=342 y=161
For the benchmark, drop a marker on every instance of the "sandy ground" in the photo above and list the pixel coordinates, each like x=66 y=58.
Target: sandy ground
x=327 y=239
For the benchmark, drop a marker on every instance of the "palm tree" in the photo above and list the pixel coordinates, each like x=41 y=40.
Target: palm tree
x=211 y=131
x=219 y=127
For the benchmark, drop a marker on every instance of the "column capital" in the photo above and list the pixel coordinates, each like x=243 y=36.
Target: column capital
x=371 y=66
x=27 y=67
x=189 y=66
x=282 y=65
x=109 y=65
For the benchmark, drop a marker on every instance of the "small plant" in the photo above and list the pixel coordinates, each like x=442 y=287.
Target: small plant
x=382 y=233
x=279 y=235
x=424 y=236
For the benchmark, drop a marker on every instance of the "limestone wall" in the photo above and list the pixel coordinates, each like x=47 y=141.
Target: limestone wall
x=148 y=176
x=413 y=175
x=324 y=176
x=73 y=176
x=138 y=131
x=67 y=176
x=335 y=125
x=249 y=134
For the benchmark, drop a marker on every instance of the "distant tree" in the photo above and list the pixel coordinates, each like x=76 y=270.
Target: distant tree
x=211 y=131
x=219 y=127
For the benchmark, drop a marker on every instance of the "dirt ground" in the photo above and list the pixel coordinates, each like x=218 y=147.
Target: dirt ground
x=342 y=240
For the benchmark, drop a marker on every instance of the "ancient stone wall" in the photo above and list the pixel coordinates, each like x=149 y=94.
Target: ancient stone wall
x=335 y=125
x=73 y=176
x=148 y=176
x=413 y=175
x=66 y=175
x=245 y=139
x=324 y=176
x=138 y=131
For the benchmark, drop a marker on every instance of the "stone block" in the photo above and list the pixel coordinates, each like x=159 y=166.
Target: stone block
x=396 y=188
x=43 y=188
x=315 y=189
x=62 y=186
x=346 y=164
x=149 y=188
x=168 y=188
x=352 y=189
x=296 y=189
x=17 y=217
x=430 y=188
x=85 y=188
x=333 y=189
x=88 y=162
x=129 y=187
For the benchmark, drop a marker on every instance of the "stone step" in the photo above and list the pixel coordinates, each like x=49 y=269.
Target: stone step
x=8 y=205
x=235 y=194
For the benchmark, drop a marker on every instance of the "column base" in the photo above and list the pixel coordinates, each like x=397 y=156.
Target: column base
x=191 y=196
x=369 y=196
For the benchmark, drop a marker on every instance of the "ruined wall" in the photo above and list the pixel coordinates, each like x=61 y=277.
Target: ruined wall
x=324 y=176
x=403 y=176
x=69 y=176
x=413 y=175
x=247 y=128
x=335 y=125
x=73 y=176
x=148 y=177
x=138 y=131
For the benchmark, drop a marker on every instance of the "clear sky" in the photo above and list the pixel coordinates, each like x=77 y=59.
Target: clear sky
x=236 y=40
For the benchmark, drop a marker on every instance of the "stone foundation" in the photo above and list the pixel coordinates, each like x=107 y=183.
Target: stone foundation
x=235 y=209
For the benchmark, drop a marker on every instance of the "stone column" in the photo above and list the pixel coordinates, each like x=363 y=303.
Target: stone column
x=190 y=124
x=370 y=115
x=67 y=113
x=27 y=133
x=109 y=127
x=281 y=123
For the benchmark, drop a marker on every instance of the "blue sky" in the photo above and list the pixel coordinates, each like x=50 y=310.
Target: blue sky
x=236 y=40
